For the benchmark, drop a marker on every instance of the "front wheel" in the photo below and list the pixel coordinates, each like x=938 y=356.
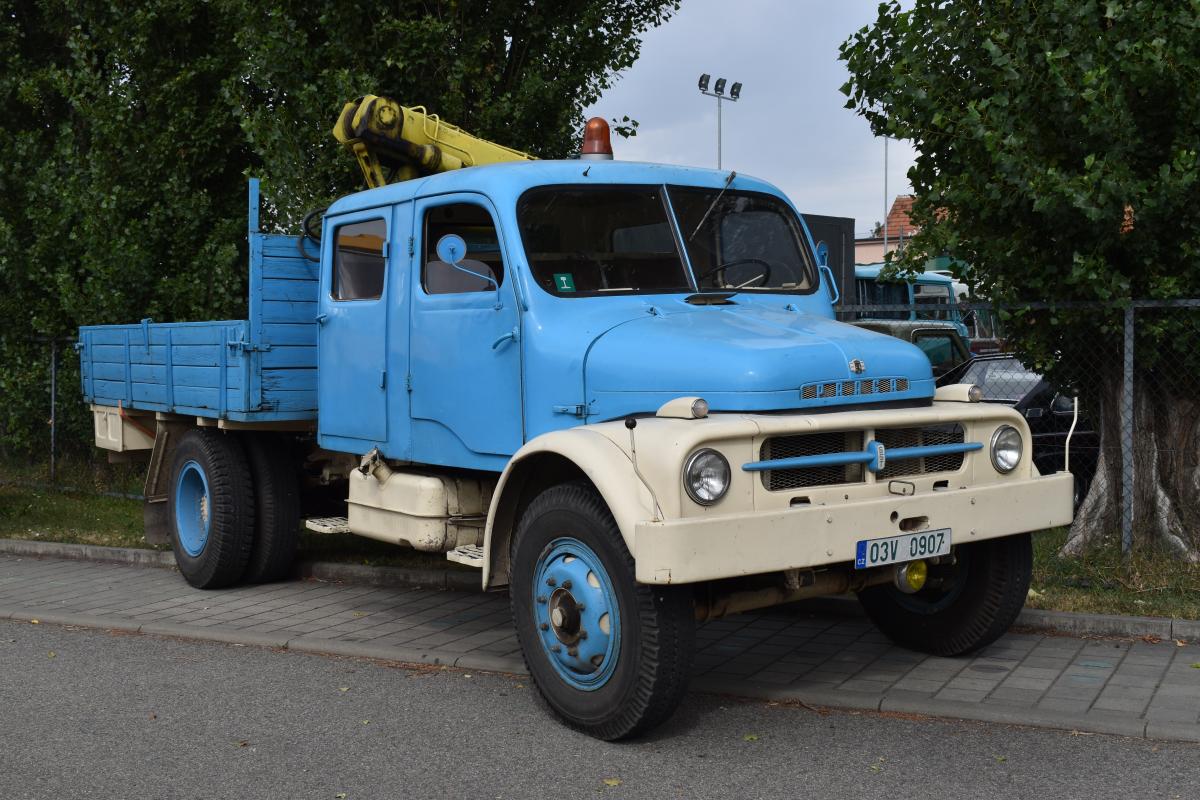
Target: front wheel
x=609 y=656
x=965 y=605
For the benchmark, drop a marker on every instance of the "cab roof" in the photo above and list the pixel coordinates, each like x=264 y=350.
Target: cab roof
x=871 y=271
x=507 y=181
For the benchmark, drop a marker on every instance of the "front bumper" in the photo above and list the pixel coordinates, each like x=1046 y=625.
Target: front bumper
x=707 y=548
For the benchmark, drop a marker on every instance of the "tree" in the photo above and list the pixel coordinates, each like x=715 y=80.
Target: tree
x=128 y=131
x=1057 y=155
x=517 y=72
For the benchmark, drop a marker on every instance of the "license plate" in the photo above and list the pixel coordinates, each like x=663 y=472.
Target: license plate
x=898 y=549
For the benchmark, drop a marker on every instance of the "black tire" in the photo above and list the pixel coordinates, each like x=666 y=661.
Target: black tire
x=224 y=508
x=656 y=632
x=965 y=606
x=277 y=508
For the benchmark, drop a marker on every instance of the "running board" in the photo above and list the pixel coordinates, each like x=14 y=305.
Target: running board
x=470 y=555
x=328 y=524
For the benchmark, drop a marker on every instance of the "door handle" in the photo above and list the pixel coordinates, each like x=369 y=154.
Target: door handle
x=321 y=318
x=514 y=334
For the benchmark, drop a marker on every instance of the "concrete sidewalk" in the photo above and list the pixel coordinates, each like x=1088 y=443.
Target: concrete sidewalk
x=1134 y=688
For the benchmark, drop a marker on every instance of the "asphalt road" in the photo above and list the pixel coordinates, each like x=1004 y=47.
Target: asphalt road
x=95 y=714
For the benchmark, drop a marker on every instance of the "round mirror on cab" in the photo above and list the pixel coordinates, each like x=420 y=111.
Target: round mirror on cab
x=451 y=248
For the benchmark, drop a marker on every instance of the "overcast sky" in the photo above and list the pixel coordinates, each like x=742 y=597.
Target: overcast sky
x=789 y=127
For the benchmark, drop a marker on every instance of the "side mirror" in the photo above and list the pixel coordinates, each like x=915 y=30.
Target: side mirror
x=1062 y=404
x=834 y=294
x=452 y=249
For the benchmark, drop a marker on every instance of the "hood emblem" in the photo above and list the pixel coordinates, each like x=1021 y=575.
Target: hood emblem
x=857 y=366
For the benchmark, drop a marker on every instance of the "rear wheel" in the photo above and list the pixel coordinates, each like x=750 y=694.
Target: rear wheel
x=610 y=657
x=965 y=605
x=277 y=508
x=211 y=509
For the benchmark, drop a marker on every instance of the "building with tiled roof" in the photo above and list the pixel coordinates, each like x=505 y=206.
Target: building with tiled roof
x=871 y=249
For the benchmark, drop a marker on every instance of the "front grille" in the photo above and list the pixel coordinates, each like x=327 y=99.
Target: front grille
x=917 y=437
x=813 y=391
x=811 y=444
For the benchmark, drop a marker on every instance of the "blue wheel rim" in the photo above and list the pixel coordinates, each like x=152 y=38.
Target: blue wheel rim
x=576 y=615
x=193 y=509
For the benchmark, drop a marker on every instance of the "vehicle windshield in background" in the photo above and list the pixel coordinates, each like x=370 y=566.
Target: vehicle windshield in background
x=873 y=293
x=593 y=241
x=1004 y=379
x=933 y=301
x=747 y=242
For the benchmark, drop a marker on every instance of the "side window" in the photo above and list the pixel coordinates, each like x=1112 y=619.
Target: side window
x=358 y=262
x=474 y=224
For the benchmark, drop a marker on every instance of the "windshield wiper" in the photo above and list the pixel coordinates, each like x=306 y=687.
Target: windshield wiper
x=713 y=205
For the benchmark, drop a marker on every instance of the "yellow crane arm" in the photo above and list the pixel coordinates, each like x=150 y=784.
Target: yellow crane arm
x=394 y=142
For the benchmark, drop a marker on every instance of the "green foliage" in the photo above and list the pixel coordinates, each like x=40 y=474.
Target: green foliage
x=1037 y=125
x=512 y=71
x=127 y=131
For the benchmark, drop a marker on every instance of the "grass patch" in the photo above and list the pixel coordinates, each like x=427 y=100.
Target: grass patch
x=76 y=517
x=1152 y=583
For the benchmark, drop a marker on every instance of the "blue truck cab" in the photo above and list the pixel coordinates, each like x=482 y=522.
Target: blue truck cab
x=616 y=388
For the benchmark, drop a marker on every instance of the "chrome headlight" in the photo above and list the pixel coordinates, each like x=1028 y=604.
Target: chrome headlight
x=706 y=476
x=1006 y=448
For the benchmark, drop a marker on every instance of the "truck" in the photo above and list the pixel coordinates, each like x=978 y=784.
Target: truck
x=930 y=295
x=617 y=389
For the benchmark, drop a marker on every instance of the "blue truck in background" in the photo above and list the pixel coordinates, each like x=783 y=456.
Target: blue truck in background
x=618 y=389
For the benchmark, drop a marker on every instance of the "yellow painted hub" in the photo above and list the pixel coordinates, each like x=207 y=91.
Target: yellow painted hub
x=915 y=575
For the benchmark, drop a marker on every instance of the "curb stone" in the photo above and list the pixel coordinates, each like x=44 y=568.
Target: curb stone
x=88 y=552
x=390 y=576
x=333 y=571
x=468 y=581
x=1098 y=624
x=71 y=619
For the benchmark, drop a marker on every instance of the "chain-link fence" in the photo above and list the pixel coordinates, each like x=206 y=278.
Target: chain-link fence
x=1120 y=382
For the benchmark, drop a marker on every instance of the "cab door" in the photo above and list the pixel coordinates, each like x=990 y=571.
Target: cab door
x=352 y=378
x=465 y=339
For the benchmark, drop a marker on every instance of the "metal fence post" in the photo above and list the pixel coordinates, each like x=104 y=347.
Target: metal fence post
x=1127 y=436
x=53 y=407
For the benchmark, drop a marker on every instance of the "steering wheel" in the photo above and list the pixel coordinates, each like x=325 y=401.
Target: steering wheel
x=600 y=265
x=765 y=274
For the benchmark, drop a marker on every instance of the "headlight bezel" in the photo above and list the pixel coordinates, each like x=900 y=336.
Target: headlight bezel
x=686 y=475
x=1003 y=467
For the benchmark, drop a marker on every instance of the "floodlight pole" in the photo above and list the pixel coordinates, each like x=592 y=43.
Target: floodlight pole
x=718 y=131
x=719 y=94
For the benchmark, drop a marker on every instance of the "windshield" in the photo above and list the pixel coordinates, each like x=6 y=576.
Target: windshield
x=745 y=241
x=601 y=240
x=934 y=300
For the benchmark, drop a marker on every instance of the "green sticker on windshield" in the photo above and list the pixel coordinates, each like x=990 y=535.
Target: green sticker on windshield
x=564 y=281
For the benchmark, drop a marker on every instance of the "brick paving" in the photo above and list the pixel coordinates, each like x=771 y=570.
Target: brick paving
x=1131 y=687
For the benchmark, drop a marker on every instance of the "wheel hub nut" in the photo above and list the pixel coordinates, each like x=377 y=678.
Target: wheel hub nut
x=564 y=616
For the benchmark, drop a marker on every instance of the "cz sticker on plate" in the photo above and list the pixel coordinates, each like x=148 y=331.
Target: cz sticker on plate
x=898 y=549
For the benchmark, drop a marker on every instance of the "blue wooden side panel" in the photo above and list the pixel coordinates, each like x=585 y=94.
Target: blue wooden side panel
x=197 y=368
x=259 y=369
x=283 y=310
